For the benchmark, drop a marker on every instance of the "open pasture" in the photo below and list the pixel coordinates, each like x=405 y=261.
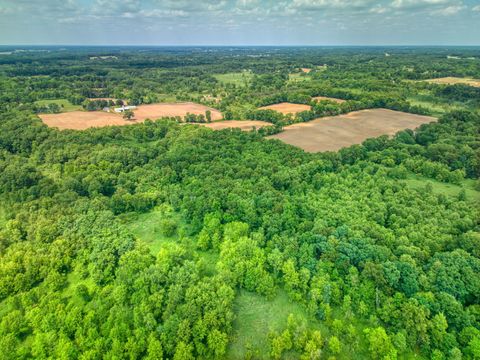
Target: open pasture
x=455 y=80
x=323 y=98
x=244 y=125
x=81 y=120
x=287 y=108
x=336 y=132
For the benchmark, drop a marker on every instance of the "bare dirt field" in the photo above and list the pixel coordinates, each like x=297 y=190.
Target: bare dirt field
x=455 y=80
x=155 y=111
x=81 y=120
x=244 y=125
x=336 y=132
x=287 y=108
x=306 y=70
x=320 y=98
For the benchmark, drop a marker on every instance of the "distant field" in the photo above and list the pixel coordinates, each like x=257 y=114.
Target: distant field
x=455 y=80
x=306 y=70
x=237 y=78
x=244 y=125
x=336 y=132
x=63 y=103
x=287 y=108
x=321 y=98
x=81 y=120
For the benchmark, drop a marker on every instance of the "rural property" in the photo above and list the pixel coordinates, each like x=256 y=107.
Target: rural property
x=81 y=120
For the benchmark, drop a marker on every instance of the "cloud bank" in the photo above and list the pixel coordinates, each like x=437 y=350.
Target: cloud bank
x=240 y=22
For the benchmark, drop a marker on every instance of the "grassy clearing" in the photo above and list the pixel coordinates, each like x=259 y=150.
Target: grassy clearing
x=151 y=228
x=167 y=98
x=63 y=103
x=451 y=190
x=256 y=317
x=298 y=77
x=429 y=102
x=236 y=78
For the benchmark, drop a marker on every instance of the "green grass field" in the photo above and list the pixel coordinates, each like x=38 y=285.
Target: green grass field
x=63 y=103
x=256 y=317
x=452 y=190
x=148 y=228
x=437 y=109
x=298 y=77
x=237 y=78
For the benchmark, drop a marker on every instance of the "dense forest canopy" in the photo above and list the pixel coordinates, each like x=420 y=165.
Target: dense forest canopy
x=159 y=240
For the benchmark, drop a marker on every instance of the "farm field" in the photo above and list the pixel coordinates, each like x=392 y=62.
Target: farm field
x=81 y=120
x=334 y=133
x=321 y=98
x=450 y=80
x=287 y=108
x=155 y=111
x=244 y=125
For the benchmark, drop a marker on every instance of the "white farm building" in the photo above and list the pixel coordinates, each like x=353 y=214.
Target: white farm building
x=124 y=108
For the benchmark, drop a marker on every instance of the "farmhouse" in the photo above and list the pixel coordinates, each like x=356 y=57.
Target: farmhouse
x=124 y=108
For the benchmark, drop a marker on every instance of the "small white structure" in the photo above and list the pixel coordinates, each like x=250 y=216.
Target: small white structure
x=124 y=108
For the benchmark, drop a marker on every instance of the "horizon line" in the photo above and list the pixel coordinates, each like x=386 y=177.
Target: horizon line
x=250 y=45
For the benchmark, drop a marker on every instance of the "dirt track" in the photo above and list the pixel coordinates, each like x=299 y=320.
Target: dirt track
x=334 y=133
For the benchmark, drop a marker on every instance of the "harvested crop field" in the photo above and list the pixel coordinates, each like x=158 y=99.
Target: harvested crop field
x=244 y=125
x=322 y=98
x=81 y=120
x=455 y=80
x=306 y=70
x=336 y=132
x=155 y=111
x=287 y=108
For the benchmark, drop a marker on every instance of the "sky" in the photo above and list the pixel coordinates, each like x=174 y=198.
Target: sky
x=240 y=22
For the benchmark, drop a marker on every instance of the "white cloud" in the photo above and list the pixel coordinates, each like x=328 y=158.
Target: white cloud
x=327 y=4
x=476 y=8
x=417 y=3
x=449 y=10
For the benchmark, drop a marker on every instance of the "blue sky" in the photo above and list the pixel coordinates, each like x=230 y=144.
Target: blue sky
x=240 y=22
